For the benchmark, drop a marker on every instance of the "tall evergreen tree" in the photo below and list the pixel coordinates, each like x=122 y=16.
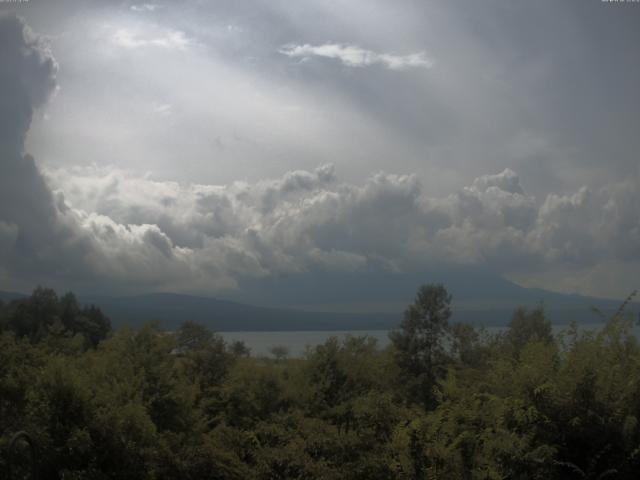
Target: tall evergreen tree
x=419 y=341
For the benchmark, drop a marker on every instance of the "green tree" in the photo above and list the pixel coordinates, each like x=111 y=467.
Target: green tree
x=205 y=358
x=279 y=352
x=192 y=336
x=528 y=326
x=30 y=317
x=43 y=315
x=239 y=349
x=419 y=341
x=467 y=344
x=93 y=324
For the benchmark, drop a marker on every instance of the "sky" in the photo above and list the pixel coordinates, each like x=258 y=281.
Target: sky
x=193 y=146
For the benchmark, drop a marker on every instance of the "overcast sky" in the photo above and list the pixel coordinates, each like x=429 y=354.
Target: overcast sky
x=188 y=145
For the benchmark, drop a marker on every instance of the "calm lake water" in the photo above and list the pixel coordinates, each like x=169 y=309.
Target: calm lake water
x=297 y=342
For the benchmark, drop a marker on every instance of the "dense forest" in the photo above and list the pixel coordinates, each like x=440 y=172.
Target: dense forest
x=442 y=401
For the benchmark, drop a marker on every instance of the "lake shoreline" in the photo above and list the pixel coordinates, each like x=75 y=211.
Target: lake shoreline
x=297 y=341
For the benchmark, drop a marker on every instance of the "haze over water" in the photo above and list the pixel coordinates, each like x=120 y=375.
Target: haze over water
x=261 y=343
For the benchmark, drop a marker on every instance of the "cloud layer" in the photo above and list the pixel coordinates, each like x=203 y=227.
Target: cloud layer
x=109 y=229
x=309 y=221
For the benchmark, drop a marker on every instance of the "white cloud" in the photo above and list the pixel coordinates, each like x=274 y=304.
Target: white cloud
x=170 y=39
x=507 y=181
x=162 y=109
x=145 y=7
x=310 y=220
x=354 y=56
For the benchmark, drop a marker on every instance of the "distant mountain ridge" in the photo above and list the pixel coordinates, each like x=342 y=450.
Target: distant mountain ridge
x=222 y=315
x=478 y=299
x=8 y=296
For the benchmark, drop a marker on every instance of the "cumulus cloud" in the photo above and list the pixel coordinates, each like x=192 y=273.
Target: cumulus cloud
x=507 y=181
x=42 y=240
x=310 y=220
x=28 y=78
x=355 y=56
x=8 y=237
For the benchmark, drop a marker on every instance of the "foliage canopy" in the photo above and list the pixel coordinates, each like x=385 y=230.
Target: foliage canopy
x=442 y=401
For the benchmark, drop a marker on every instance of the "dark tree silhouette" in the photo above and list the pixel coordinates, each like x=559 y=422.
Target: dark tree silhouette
x=419 y=341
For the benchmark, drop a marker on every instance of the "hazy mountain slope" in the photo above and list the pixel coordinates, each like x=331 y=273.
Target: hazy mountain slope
x=347 y=302
x=8 y=296
x=171 y=310
x=478 y=296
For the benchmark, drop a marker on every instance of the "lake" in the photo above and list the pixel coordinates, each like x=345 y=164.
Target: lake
x=297 y=342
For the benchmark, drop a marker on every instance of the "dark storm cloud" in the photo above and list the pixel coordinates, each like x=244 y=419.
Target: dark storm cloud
x=27 y=79
x=27 y=76
x=42 y=240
